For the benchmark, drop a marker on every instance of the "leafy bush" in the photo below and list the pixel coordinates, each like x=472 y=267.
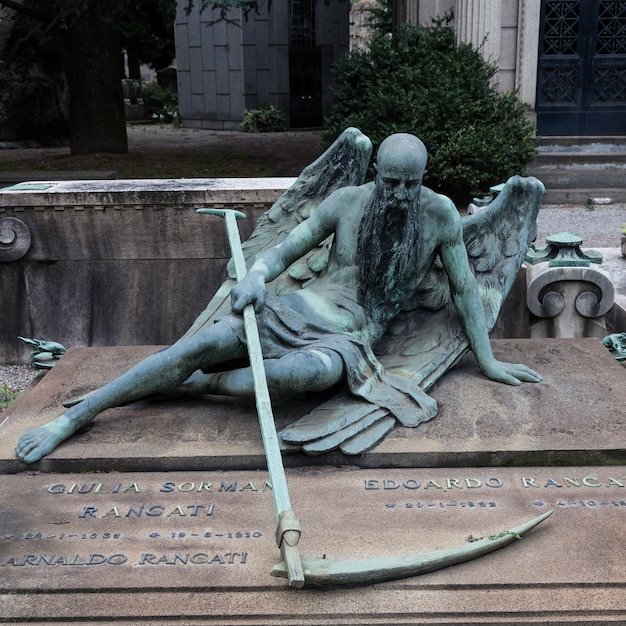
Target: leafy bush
x=420 y=81
x=6 y=396
x=160 y=104
x=266 y=119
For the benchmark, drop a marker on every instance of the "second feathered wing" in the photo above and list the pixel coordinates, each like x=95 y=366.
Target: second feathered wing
x=423 y=343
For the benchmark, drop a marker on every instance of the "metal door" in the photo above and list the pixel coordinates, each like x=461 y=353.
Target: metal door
x=581 y=82
x=305 y=66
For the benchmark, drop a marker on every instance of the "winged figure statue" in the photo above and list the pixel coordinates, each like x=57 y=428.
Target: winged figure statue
x=374 y=288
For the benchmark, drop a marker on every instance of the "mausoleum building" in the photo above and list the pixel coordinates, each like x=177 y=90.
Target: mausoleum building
x=566 y=58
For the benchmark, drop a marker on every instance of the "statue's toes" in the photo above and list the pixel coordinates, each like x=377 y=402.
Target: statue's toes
x=24 y=442
x=23 y=448
x=33 y=456
x=29 y=446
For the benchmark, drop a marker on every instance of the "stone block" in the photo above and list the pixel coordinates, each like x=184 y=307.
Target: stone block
x=508 y=51
x=195 y=69
x=574 y=417
x=109 y=247
x=162 y=511
x=199 y=546
x=210 y=90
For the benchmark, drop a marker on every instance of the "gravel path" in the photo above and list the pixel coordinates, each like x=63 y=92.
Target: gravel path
x=14 y=378
x=599 y=228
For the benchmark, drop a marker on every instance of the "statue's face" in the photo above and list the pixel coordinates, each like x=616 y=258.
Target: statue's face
x=401 y=184
x=400 y=169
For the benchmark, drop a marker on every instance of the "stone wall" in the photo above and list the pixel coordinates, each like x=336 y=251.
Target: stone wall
x=115 y=262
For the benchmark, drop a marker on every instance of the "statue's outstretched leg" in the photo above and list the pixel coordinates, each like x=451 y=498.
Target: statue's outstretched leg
x=160 y=371
x=296 y=372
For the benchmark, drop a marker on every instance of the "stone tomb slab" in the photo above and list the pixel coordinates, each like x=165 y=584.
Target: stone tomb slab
x=197 y=547
x=574 y=417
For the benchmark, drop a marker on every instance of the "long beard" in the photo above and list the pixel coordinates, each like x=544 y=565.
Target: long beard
x=388 y=252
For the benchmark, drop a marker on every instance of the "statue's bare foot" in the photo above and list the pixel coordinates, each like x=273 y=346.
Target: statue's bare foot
x=40 y=441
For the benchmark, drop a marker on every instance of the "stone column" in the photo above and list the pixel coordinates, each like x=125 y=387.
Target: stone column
x=360 y=30
x=479 y=22
x=528 y=50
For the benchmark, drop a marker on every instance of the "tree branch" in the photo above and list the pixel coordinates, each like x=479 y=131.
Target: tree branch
x=30 y=11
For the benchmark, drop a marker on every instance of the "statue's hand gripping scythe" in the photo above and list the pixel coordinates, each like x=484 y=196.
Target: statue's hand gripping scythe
x=301 y=571
x=288 y=531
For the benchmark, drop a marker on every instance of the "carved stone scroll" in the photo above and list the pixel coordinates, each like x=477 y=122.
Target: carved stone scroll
x=14 y=239
x=568 y=291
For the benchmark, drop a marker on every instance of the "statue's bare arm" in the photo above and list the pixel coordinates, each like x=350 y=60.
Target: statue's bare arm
x=468 y=303
x=271 y=263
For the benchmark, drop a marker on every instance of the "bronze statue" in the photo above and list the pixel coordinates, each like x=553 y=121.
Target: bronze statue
x=381 y=267
x=616 y=344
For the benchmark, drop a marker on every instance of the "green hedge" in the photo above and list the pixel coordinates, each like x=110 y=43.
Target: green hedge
x=418 y=80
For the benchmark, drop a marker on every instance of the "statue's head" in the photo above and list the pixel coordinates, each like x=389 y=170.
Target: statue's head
x=400 y=164
x=389 y=237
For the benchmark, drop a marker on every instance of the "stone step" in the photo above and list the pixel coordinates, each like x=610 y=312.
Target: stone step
x=581 y=141
x=545 y=424
x=9 y=178
x=582 y=195
x=576 y=170
x=580 y=158
x=592 y=177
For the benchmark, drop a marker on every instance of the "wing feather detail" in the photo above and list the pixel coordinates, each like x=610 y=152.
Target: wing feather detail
x=343 y=164
x=422 y=344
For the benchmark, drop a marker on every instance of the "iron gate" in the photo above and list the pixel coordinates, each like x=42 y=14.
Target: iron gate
x=581 y=82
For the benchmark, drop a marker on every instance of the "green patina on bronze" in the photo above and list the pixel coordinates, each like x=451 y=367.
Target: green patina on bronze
x=381 y=286
x=563 y=250
x=616 y=344
x=340 y=269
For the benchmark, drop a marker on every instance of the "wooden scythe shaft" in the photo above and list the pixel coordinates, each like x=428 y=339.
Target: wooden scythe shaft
x=288 y=531
x=329 y=572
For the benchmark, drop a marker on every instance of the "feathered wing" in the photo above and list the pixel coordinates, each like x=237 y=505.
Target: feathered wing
x=423 y=343
x=343 y=164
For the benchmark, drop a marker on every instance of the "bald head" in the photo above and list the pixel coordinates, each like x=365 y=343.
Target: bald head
x=400 y=166
x=402 y=153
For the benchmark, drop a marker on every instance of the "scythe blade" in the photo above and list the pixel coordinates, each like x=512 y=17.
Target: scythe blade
x=301 y=570
x=329 y=572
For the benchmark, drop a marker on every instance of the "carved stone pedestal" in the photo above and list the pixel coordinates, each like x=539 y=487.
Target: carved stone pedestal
x=162 y=511
x=569 y=290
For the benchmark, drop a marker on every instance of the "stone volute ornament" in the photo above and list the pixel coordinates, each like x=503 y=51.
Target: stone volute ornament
x=568 y=289
x=14 y=239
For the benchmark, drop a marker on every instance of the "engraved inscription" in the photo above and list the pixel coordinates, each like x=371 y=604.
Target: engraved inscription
x=126 y=526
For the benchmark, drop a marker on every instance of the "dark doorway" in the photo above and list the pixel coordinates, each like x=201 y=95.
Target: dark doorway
x=305 y=67
x=581 y=82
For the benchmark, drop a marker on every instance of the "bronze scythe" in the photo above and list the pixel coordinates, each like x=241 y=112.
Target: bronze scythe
x=301 y=571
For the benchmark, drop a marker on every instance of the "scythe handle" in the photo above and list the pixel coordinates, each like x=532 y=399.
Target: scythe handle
x=288 y=532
